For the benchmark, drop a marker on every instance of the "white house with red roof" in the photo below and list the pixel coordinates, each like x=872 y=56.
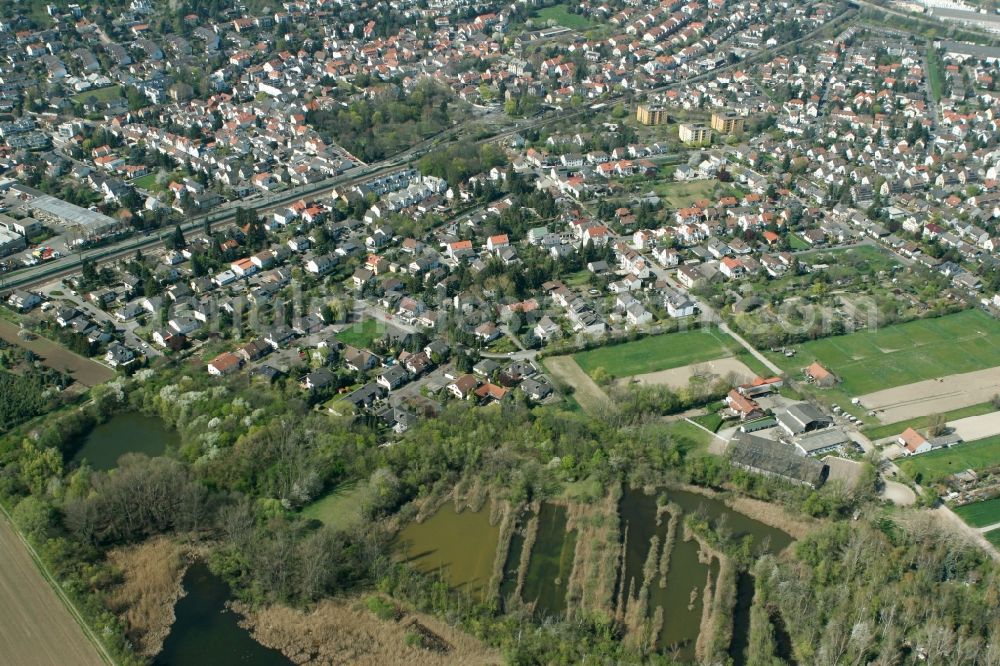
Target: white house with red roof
x=497 y=242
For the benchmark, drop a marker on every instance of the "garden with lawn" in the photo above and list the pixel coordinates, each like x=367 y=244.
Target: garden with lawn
x=147 y=182
x=936 y=465
x=361 y=334
x=99 y=94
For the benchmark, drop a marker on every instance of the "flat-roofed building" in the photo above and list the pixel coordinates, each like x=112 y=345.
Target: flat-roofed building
x=821 y=442
x=11 y=242
x=81 y=224
x=691 y=133
x=727 y=123
x=27 y=226
x=651 y=115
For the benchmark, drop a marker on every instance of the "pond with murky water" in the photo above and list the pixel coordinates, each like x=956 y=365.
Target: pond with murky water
x=126 y=432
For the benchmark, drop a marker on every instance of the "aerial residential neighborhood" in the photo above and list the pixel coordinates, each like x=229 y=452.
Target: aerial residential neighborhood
x=458 y=331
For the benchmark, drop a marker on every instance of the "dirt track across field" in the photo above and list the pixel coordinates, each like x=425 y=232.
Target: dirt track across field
x=972 y=428
x=677 y=378
x=933 y=395
x=588 y=395
x=36 y=629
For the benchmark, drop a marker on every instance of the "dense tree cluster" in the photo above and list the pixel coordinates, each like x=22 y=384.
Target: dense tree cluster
x=249 y=459
x=24 y=396
x=375 y=128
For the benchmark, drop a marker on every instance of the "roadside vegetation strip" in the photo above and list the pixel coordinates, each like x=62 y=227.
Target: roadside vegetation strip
x=935 y=74
x=980 y=514
x=657 y=352
x=869 y=361
x=936 y=465
x=30 y=611
x=890 y=429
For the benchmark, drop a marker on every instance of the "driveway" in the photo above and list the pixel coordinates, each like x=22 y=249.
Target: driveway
x=898 y=493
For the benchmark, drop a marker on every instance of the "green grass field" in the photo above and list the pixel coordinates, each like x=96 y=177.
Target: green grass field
x=864 y=257
x=147 y=182
x=100 y=94
x=749 y=360
x=712 y=420
x=936 y=465
x=935 y=72
x=878 y=432
x=340 y=508
x=361 y=334
x=681 y=194
x=578 y=279
x=658 y=352
x=689 y=437
x=869 y=361
x=561 y=16
x=980 y=514
x=993 y=537
x=796 y=243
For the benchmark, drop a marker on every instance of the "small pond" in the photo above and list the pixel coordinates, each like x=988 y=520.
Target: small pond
x=680 y=593
x=551 y=562
x=206 y=632
x=127 y=432
x=461 y=545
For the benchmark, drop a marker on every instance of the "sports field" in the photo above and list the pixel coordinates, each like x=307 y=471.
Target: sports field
x=936 y=465
x=868 y=361
x=980 y=514
x=993 y=537
x=658 y=352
